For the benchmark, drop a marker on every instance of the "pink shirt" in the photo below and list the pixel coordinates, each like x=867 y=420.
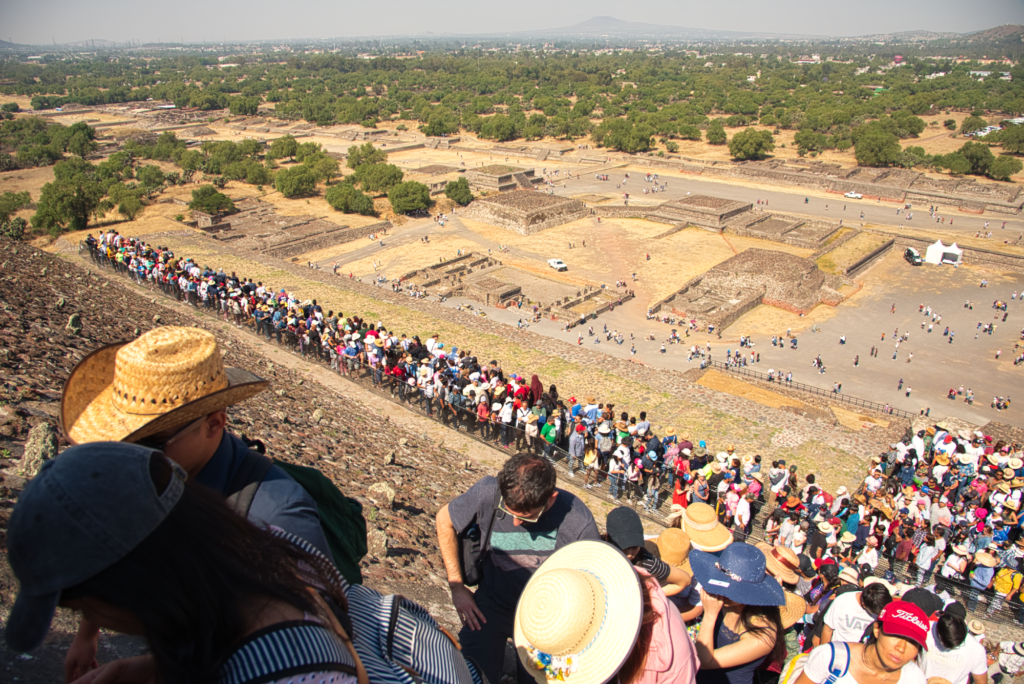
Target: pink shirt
x=672 y=658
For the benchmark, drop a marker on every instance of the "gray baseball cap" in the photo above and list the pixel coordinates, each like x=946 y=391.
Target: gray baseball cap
x=83 y=512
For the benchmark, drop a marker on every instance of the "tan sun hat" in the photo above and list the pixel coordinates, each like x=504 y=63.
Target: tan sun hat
x=700 y=522
x=581 y=610
x=794 y=609
x=985 y=558
x=781 y=561
x=976 y=627
x=167 y=377
x=674 y=545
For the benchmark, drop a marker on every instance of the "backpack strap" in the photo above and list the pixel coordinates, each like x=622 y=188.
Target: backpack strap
x=494 y=513
x=306 y=647
x=247 y=480
x=835 y=671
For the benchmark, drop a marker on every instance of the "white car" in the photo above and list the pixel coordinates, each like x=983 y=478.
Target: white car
x=854 y=195
x=558 y=264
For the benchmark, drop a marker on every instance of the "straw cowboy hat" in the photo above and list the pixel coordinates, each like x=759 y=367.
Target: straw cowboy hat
x=167 y=377
x=1011 y=504
x=669 y=432
x=700 y=522
x=674 y=545
x=961 y=550
x=737 y=573
x=848 y=538
x=964 y=459
x=976 y=627
x=942 y=459
x=579 y=615
x=985 y=558
x=1016 y=463
x=825 y=527
x=782 y=562
x=793 y=611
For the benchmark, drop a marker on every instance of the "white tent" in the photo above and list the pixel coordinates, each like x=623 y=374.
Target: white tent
x=943 y=254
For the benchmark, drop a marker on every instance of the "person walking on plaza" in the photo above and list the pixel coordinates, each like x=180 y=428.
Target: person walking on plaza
x=521 y=519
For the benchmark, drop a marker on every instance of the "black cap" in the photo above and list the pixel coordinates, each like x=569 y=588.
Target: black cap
x=930 y=603
x=624 y=528
x=807 y=566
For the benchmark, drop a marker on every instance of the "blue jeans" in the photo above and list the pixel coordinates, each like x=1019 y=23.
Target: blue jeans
x=973 y=593
x=614 y=485
x=487 y=645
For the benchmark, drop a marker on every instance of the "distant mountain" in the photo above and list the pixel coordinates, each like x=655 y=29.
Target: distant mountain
x=4 y=45
x=610 y=27
x=998 y=33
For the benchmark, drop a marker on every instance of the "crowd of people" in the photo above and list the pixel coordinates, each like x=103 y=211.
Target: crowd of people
x=161 y=523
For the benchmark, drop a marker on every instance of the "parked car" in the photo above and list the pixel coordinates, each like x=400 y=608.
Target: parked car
x=558 y=264
x=912 y=256
x=854 y=195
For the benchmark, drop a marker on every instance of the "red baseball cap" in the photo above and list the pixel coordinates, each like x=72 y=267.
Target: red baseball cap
x=907 y=620
x=819 y=563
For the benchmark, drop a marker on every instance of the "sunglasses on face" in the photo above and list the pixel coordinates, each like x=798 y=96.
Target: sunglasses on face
x=520 y=518
x=161 y=443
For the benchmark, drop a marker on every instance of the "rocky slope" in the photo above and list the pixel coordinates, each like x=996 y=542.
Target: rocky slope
x=53 y=313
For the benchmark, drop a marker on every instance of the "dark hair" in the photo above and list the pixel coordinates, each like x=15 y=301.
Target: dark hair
x=753 y=619
x=633 y=667
x=830 y=573
x=872 y=639
x=951 y=630
x=875 y=597
x=190 y=581
x=526 y=481
x=810 y=478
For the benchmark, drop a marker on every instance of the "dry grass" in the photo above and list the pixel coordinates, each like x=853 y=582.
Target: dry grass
x=848 y=253
x=856 y=420
x=723 y=382
x=396 y=261
x=768 y=320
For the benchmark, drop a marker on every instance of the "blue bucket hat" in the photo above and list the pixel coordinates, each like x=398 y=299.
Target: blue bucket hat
x=737 y=573
x=83 y=512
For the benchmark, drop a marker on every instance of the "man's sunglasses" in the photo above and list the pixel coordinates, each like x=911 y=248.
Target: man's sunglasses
x=521 y=518
x=161 y=444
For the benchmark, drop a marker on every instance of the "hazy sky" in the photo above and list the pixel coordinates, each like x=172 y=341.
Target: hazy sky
x=41 y=21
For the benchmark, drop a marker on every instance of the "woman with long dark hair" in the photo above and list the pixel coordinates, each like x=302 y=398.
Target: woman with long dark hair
x=113 y=530
x=889 y=656
x=742 y=625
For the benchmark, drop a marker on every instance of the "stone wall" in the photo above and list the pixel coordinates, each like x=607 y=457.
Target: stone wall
x=312 y=243
x=871 y=258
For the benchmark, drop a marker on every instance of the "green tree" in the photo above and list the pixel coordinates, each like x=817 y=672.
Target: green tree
x=295 y=182
x=283 y=147
x=325 y=168
x=950 y=124
x=751 y=144
x=68 y=203
x=150 y=176
x=130 y=207
x=972 y=123
x=378 y=178
x=364 y=154
x=257 y=174
x=11 y=203
x=190 y=161
x=954 y=161
x=1012 y=138
x=716 y=133
x=978 y=155
x=458 y=191
x=81 y=145
x=1005 y=166
x=441 y=122
x=877 y=148
x=10 y=107
x=810 y=140
x=347 y=199
x=409 y=196
x=209 y=200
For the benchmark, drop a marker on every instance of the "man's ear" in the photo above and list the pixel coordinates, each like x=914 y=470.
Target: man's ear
x=551 y=501
x=216 y=422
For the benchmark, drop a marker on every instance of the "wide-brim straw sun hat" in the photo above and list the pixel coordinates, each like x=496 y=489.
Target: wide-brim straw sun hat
x=739 y=574
x=793 y=611
x=579 y=615
x=674 y=545
x=985 y=558
x=700 y=522
x=782 y=561
x=167 y=377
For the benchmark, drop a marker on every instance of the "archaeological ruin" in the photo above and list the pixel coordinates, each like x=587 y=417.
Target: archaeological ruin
x=756 y=276
x=525 y=211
